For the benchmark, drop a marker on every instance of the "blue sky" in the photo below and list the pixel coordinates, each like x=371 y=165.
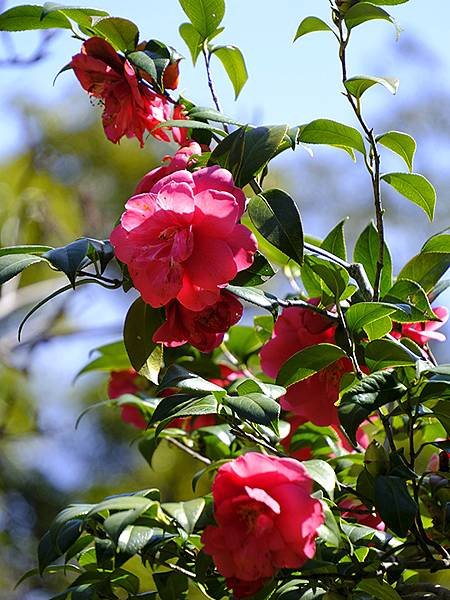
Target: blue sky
x=288 y=82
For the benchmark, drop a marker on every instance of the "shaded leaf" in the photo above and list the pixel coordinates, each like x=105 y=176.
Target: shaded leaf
x=255 y=407
x=13 y=264
x=357 y=85
x=394 y=504
x=121 y=33
x=334 y=242
x=381 y=354
x=366 y=252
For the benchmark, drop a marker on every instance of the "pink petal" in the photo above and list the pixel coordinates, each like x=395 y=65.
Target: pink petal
x=216 y=213
x=211 y=264
x=158 y=281
x=243 y=245
x=216 y=178
x=175 y=197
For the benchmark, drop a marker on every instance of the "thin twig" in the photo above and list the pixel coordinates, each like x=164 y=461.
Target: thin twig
x=207 y=58
x=188 y=450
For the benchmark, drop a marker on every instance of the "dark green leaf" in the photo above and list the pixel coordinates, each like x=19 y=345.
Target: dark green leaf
x=388 y=2
x=363 y=12
x=331 y=133
x=401 y=143
x=26 y=17
x=185 y=513
x=141 y=323
x=307 y=362
x=255 y=296
x=357 y=85
x=170 y=584
x=192 y=39
x=335 y=241
x=177 y=376
x=121 y=33
x=210 y=114
x=234 y=64
x=309 y=25
x=144 y=62
x=276 y=217
x=366 y=253
x=183 y=405
x=394 y=504
x=381 y=354
x=365 y=397
x=414 y=187
x=376 y=588
x=13 y=264
x=259 y=272
x=256 y=408
x=413 y=296
x=24 y=250
x=441 y=412
x=134 y=538
x=69 y=259
x=205 y=15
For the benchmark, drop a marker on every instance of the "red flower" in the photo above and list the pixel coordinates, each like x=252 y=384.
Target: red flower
x=183 y=240
x=178 y=162
x=127 y=382
x=203 y=329
x=314 y=398
x=130 y=107
x=361 y=514
x=266 y=519
x=422 y=333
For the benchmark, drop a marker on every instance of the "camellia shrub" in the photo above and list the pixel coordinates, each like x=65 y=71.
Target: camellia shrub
x=313 y=425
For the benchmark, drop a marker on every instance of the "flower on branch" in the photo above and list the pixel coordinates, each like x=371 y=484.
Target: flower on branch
x=422 y=333
x=266 y=520
x=130 y=106
x=313 y=398
x=182 y=239
x=123 y=382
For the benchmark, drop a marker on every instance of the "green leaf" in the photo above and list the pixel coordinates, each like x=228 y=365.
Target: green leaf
x=413 y=296
x=177 y=376
x=381 y=354
x=205 y=15
x=81 y=16
x=379 y=328
x=133 y=539
x=335 y=241
x=242 y=341
x=277 y=218
x=234 y=64
x=113 y=357
x=309 y=25
x=144 y=62
x=69 y=259
x=13 y=264
x=366 y=253
x=121 y=33
x=141 y=323
x=365 y=397
x=307 y=362
x=27 y=17
x=414 y=187
x=356 y=86
x=170 y=584
x=185 y=513
x=394 y=504
x=401 y=143
x=388 y=2
x=363 y=12
x=255 y=296
x=336 y=278
x=210 y=114
x=183 y=405
x=246 y=151
x=363 y=313
x=375 y=588
x=331 y=133
x=192 y=39
x=441 y=412
x=259 y=272
x=323 y=474
x=255 y=407
x=427 y=267
x=24 y=250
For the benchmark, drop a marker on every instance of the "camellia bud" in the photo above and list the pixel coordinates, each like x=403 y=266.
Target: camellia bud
x=376 y=459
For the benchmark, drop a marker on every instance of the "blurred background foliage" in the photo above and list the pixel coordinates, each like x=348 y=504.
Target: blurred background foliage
x=69 y=182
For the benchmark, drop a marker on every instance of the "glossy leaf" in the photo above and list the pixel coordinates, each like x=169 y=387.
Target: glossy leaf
x=309 y=25
x=256 y=408
x=69 y=259
x=363 y=313
x=255 y=296
x=379 y=328
x=24 y=250
x=307 y=362
x=366 y=253
x=183 y=405
x=334 y=242
x=144 y=62
x=234 y=64
x=276 y=216
x=210 y=114
x=356 y=86
x=121 y=33
x=13 y=264
x=381 y=354
x=401 y=143
x=414 y=187
x=28 y=16
x=362 y=12
x=336 y=278
x=331 y=133
x=177 y=376
x=365 y=397
x=81 y=16
x=192 y=39
x=141 y=323
x=427 y=267
x=185 y=513
x=259 y=272
x=394 y=504
x=415 y=301
x=205 y=15
x=322 y=473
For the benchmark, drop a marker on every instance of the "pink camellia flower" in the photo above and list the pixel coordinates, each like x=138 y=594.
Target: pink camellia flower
x=356 y=510
x=266 y=519
x=313 y=398
x=204 y=329
x=130 y=107
x=422 y=333
x=127 y=382
x=178 y=162
x=182 y=239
